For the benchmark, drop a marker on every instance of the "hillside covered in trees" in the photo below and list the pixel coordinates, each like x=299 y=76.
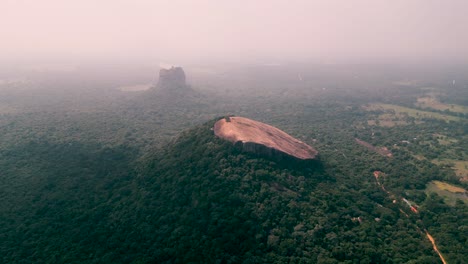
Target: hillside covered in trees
x=138 y=179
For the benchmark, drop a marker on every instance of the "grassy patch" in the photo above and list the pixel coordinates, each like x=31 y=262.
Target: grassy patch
x=400 y=111
x=5 y=109
x=450 y=192
x=448 y=187
x=407 y=83
x=392 y=119
x=419 y=157
x=459 y=166
x=135 y=88
x=432 y=103
x=444 y=140
x=386 y=123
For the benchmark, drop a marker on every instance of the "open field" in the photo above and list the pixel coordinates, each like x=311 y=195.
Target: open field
x=433 y=103
x=135 y=88
x=450 y=192
x=389 y=120
x=448 y=187
x=461 y=169
x=459 y=166
x=5 y=109
x=444 y=140
x=407 y=83
x=397 y=111
x=419 y=157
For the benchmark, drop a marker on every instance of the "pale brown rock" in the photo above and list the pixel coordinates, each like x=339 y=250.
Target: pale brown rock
x=261 y=138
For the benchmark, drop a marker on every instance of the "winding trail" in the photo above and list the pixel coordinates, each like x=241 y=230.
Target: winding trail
x=377 y=175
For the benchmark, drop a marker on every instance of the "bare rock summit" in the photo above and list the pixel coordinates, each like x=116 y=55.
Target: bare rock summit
x=263 y=139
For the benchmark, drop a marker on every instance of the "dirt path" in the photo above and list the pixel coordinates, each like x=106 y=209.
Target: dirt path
x=435 y=246
x=377 y=175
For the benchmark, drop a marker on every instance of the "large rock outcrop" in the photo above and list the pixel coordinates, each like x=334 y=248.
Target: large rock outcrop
x=262 y=139
x=173 y=78
x=171 y=90
x=172 y=87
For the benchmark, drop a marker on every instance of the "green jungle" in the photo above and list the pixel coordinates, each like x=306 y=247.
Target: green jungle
x=90 y=173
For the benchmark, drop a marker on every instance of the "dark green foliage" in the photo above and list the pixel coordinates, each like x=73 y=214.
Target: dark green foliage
x=109 y=184
x=212 y=203
x=198 y=200
x=57 y=199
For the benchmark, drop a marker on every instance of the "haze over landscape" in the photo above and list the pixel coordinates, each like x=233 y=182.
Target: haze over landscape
x=318 y=131
x=239 y=31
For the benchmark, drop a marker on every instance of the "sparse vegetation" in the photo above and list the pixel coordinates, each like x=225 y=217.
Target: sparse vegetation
x=432 y=103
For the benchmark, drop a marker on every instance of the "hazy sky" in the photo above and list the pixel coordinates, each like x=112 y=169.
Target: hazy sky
x=234 y=29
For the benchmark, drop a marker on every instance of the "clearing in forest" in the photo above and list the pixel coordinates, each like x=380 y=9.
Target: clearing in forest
x=433 y=103
x=389 y=120
x=135 y=88
x=444 y=140
x=399 y=111
x=5 y=109
x=459 y=166
x=450 y=192
x=384 y=151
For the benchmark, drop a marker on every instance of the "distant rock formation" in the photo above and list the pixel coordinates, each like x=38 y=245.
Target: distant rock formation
x=173 y=78
x=172 y=86
x=262 y=139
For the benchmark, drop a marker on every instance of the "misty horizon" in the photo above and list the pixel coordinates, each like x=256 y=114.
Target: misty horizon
x=263 y=31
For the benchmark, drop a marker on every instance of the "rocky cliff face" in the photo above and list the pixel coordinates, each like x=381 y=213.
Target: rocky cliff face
x=262 y=139
x=173 y=78
x=172 y=87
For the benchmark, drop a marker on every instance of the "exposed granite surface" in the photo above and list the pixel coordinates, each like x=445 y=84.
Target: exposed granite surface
x=263 y=139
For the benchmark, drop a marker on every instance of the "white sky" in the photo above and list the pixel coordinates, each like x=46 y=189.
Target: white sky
x=234 y=29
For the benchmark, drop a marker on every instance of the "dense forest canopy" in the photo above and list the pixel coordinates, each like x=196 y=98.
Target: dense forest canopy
x=90 y=173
